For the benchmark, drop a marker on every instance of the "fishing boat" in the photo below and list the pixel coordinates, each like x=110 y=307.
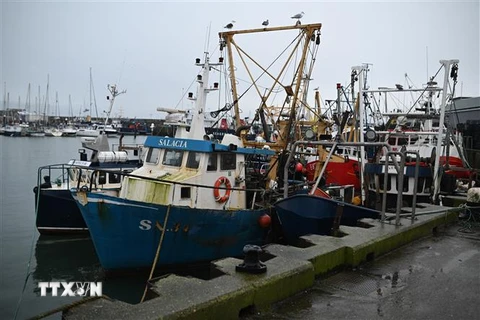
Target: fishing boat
x=425 y=140
x=189 y=202
x=56 y=210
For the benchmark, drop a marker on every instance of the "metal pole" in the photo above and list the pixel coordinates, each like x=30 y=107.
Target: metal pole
x=400 y=175
x=323 y=168
x=446 y=64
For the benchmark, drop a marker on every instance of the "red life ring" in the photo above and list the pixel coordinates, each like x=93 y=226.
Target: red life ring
x=216 y=190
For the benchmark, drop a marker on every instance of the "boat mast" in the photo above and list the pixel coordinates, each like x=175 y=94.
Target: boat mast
x=361 y=111
x=114 y=92
x=446 y=65
x=310 y=32
x=46 y=106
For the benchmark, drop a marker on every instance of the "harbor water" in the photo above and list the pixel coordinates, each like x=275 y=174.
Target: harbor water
x=443 y=268
x=23 y=251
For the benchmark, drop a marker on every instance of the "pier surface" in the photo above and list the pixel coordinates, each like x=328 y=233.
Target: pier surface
x=441 y=276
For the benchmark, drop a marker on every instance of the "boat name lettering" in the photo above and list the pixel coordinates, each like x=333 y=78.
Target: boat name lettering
x=172 y=143
x=145 y=225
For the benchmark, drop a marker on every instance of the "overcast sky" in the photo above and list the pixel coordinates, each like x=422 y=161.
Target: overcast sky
x=149 y=48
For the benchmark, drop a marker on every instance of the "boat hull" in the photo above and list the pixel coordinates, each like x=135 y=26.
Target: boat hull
x=57 y=212
x=337 y=173
x=126 y=233
x=303 y=214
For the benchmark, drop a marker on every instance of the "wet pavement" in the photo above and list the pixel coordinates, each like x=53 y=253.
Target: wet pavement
x=433 y=278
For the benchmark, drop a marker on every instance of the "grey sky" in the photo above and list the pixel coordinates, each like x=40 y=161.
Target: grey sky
x=149 y=48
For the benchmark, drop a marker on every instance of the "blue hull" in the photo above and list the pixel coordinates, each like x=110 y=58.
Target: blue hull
x=58 y=213
x=125 y=235
x=302 y=214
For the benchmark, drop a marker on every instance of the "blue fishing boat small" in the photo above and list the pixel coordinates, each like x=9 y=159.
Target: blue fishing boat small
x=304 y=214
x=188 y=203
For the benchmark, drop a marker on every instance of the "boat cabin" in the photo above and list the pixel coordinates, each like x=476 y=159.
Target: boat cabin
x=193 y=173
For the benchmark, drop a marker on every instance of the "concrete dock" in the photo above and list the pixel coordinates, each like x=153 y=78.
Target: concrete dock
x=290 y=270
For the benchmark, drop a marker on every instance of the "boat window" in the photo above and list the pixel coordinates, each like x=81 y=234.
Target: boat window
x=113 y=178
x=152 y=155
x=173 y=158
x=185 y=192
x=392 y=141
x=402 y=141
x=193 y=160
x=102 y=177
x=212 y=162
x=228 y=161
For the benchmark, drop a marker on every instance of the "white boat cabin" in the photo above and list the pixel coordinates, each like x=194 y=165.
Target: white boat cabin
x=192 y=173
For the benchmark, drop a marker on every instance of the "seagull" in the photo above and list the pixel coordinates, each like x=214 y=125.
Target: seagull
x=298 y=15
x=230 y=25
x=265 y=23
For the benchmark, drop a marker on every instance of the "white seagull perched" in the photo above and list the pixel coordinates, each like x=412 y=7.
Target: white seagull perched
x=265 y=23
x=230 y=25
x=298 y=15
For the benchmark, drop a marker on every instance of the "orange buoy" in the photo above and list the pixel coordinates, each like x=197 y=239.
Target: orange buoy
x=265 y=221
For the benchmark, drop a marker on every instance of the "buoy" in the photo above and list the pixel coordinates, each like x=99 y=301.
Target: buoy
x=357 y=201
x=299 y=167
x=265 y=221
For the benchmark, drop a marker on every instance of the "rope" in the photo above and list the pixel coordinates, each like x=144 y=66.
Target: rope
x=470 y=225
x=39 y=189
x=158 y=251
x=64 y=307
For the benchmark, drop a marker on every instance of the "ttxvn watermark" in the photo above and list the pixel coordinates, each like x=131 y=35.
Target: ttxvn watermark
x=71 y=289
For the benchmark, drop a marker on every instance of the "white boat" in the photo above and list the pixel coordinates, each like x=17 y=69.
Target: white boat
x=53 y=132
x=69 y=131
x=87 y=132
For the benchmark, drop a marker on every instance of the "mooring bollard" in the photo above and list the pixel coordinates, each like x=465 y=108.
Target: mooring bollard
x=251 y=262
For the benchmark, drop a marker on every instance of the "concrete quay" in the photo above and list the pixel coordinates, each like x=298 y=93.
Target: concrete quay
x=290 y=270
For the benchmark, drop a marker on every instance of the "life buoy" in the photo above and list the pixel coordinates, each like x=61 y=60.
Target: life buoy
x=216 y=191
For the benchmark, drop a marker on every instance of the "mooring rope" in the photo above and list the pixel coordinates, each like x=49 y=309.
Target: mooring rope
x=158 y=250
x=31 y=245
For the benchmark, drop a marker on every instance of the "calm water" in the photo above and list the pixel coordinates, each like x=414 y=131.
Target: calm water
x=53 y=258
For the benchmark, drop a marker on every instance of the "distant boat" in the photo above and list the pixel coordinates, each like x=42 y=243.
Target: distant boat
x=87 y=132
x=69 y=131
x=53 y=132
x=15 y=130
x=57 y=212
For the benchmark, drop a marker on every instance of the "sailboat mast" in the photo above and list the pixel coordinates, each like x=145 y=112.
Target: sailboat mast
x=46 y=107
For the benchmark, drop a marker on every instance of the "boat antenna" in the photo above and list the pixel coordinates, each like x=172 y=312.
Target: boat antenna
x=114 y=92
x=207 y=37
x=426 y=53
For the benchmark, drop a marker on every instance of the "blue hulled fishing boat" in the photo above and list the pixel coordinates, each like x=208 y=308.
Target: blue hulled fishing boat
x=188 y=203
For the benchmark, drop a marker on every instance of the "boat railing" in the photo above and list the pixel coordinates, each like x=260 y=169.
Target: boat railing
x=96 y=171
x=61 y=171
x=400 y=172
x=390 y=155
x=333 y=145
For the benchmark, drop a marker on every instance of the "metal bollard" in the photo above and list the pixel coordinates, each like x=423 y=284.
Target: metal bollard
x=251 y=262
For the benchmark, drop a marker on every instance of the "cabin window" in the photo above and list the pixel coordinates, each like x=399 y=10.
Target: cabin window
x=212 y=162
x=193 y=160
x=185 y=192
x=402 y=141
x=102 y=177
x=173 y=158
x=152 y=155
x=228 y=161
x=392 y=141
x=113 y=178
